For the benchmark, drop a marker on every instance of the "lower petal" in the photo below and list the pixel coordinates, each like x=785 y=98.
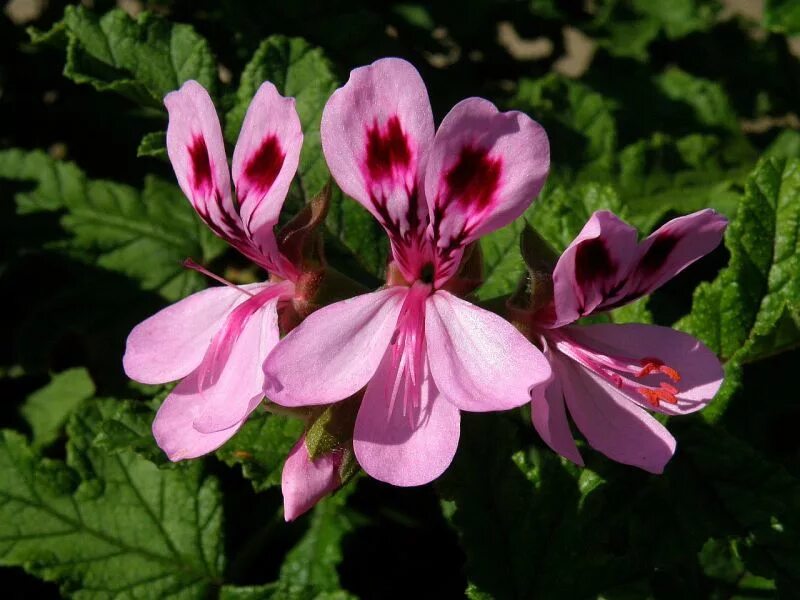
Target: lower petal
x=612 y=423
x=700 y=370
x=236 y=378
x=405 y=448
x=549 y=416
x=478 y=359
x=171 y=344
x=173 y=427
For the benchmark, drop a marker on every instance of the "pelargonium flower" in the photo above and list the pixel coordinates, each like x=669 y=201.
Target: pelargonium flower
x=609 y=376
x=422 y=353
x=216 y=340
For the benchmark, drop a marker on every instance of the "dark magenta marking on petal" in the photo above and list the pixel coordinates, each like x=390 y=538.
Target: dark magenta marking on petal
x=201 y=165
x=387 y=150
x=657 y=254
x=474 y=178
x=265 y=164
x=593 y=263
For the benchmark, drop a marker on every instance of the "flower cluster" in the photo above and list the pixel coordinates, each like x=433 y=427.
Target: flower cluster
x=397 y=365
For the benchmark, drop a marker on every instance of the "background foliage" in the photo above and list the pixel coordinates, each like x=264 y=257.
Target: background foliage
x=653 y=109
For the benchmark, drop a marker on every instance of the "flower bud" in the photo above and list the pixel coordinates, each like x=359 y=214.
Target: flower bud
x=304 y=481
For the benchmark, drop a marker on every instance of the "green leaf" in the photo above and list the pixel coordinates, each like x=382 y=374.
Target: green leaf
x=145 y=234
x=299 y=70
x=309 y=571
x=782 y=16
x=141 y=59
x=154 y=145
x=108 y=525
x=48 y=409
x=752 y=309
x=261 y=447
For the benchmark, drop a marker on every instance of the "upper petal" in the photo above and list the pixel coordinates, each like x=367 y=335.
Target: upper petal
x=485 y=169
x=170 y=344
x=669 y=250
x=479 y=361
x=264 y=162
x=230 y=378
x=549 y=416
x=376 y=131
x=593 y=268
x=612 y=423
x=197 y=153
x=173 y=427
x=334 y=352
x=400 y=444
x=700 y=371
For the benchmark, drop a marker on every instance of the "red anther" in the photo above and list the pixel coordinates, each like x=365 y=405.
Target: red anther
x=669 y=388
x=654 y=396
x=652 y=365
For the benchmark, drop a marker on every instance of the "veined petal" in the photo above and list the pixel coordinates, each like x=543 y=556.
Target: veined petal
x=402 y=444
x=173 y=427
x=171 y=344
x=304 y=482
x=197 y=153
x=230 y=377
x=264 y=163
x=485 y=169
x=612 y=424
x=699 y=370
x=549 y=416
x=593 y=268
x=669 y=250
x=479 y=361
x=334 y=352
x=376 y=131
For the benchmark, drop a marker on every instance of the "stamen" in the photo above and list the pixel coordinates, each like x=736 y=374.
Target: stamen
x=652 y=365
x=190 y=264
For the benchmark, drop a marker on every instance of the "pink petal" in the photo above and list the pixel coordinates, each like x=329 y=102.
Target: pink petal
x=170 y=344
x=409 y=446
x=264 y=163
x=479 y=361
x=334 y=352
x=593 y=267
x=173 y=427
x=549 y=416
x=670 y=249
x=305 y=482
x=612 y=423
x=485 y=169
x=230 y=378
x=700 y=370
x=197 y=153
x=376 y=131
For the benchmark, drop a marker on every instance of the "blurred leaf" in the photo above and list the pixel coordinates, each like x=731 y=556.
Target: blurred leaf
x=299 y=70
x=309 y=570
x=141 y=59
x=782 y=16
x=127 y=530
x=261 y=447
x=48 y=409
x=145 y=235
x=153 y=144
x=752 y=309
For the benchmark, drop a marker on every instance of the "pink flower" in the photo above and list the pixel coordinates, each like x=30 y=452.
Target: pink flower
x=215 y=341
x=609 y=376
x=422 y=353
x=304 y=482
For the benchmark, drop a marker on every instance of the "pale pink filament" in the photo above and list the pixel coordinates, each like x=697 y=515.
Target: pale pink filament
x=408 y=352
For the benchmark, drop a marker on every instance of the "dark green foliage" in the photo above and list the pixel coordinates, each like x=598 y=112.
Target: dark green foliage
x=682 y=105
